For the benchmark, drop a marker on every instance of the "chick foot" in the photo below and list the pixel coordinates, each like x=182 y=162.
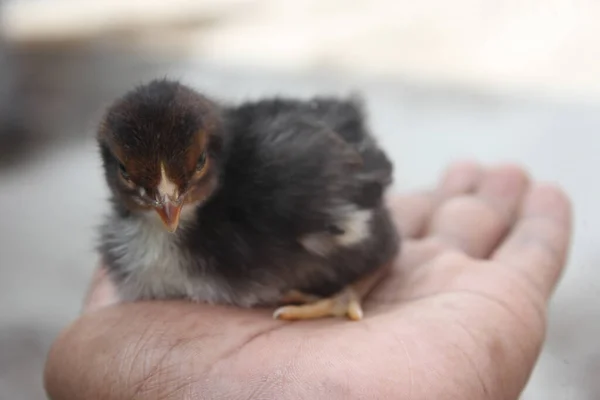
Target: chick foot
x=298 y=297
x=347 y=303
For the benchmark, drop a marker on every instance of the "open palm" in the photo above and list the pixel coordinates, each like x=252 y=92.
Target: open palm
x=462 y=316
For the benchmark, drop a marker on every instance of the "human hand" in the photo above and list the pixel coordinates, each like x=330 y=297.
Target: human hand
x=463 y=315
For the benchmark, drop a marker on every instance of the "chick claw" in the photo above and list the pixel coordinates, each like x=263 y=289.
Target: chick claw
x=346 y=303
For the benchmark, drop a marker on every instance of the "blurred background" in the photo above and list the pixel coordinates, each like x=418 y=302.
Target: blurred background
x=507 y=80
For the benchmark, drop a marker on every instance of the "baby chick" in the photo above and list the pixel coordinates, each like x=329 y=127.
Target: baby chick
x=277 y=202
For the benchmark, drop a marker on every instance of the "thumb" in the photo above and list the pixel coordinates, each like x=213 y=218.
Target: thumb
x=101 y=293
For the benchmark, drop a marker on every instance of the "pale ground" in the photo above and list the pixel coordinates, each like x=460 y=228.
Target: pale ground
x=52 y=203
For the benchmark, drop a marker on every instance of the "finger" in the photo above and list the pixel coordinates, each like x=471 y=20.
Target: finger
x=476 y=223
x=412 y=213
x=101 y=292
x=461 y=177
x=539 y=243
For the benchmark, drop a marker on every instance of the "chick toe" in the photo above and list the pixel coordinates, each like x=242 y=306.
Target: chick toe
x=346 y=303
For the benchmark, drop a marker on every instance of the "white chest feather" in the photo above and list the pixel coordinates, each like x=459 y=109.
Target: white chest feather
x=158 y=267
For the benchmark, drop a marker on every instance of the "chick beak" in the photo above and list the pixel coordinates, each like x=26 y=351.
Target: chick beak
x=169 y=214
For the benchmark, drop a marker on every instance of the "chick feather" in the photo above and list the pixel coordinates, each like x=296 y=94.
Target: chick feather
x=299 y=205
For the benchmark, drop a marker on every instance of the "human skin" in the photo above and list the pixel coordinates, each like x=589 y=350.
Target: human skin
x=462 y=316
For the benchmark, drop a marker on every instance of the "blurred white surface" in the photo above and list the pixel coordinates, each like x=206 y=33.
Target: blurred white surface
x=548 y=47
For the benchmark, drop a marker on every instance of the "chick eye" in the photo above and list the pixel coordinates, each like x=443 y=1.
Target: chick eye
x=123 y=172
x=201 y=162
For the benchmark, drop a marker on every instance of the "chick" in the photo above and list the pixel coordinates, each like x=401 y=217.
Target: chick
x=273 y=203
